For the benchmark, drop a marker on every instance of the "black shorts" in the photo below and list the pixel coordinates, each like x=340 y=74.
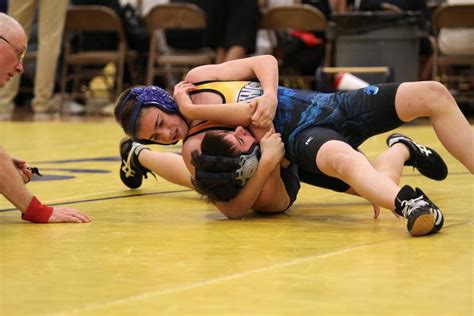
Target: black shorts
x=367 y=114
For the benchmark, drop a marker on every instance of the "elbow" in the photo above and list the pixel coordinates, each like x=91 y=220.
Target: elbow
x=234 y=216
x=270 y=59
x=234 y=213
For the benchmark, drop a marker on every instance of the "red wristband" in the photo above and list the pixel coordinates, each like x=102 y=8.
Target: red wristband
x=37 y=212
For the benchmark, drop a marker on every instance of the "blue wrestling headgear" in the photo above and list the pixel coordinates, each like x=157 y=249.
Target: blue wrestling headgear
x=147 y=96
x=236 y=169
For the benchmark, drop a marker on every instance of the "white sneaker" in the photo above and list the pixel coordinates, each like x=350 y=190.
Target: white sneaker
x=69 y=106
x=108 y=110
x=73 y=108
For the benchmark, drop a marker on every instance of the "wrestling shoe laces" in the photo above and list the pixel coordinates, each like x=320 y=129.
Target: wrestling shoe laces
x=428 y=162
x=131 y=171
x=417 y=209
x=411 y=206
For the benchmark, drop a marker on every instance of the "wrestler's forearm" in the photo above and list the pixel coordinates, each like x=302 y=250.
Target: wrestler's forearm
x=264 y=67
x=233 y=114
x=169 y=166
x=273 y=198
x=250 y=193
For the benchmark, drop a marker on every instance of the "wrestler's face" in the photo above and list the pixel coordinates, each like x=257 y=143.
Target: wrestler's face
x=159 y=126
x=12 y=50
x=241 y=138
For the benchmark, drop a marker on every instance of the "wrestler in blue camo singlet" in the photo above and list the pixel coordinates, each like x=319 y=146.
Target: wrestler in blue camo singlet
x=297 y=109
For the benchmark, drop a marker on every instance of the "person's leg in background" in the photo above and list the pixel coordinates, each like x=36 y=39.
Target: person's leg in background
x=24 y=12
x=426 y=57
x=52 y=15
x=215 y=30
x=3 y=6
x=241 y=30
x=232 y=28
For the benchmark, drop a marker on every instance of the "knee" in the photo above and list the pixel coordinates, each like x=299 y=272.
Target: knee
x=346 y=164
x=338 y=159
x=438 y=97
x=436 y=89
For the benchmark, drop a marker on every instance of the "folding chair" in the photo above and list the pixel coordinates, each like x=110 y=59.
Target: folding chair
x=299 y=17
x=164 y=60
x=453 y=17
x=80 y=65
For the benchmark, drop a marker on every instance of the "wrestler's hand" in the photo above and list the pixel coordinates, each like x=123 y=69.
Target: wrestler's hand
x=181 y=96
x=259 y=133
x=265 y=111
x=23 y=170
x=63 y=214
x=272 y=147
x=375 y=207
x=377 y=211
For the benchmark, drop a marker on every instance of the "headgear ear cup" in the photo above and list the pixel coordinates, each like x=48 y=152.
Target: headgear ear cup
x=240 y=168
x=248 y=164
x=214 y=173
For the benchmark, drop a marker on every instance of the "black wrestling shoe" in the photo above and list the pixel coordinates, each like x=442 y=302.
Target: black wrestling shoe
x=439 y=218
x=131 y=171
x=428 y=162
x=423 y=216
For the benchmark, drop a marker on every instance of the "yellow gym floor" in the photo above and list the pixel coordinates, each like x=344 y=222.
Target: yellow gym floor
x=161 y=250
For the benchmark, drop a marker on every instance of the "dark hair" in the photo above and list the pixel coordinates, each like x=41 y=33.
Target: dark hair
x=207 y=180
x=214 y=143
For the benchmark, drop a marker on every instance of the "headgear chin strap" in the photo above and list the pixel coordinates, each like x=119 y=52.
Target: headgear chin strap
x=147 y=96
x=240 y=168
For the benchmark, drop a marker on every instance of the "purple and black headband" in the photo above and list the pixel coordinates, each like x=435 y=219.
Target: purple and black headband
x=147 y=96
